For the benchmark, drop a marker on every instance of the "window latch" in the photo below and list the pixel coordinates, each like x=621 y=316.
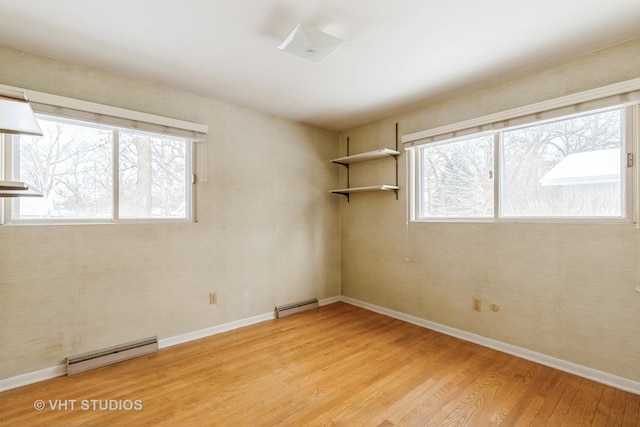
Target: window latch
x=629 y=160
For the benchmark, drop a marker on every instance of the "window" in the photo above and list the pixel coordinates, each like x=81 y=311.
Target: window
x=455 y=178
x=572 y=167
x=91 y=172
x=566 y=168
x=155 y=177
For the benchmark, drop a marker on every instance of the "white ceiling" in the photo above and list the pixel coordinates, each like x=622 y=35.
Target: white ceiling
x=397 y=52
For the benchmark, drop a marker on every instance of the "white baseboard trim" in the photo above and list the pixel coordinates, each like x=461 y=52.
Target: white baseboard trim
x=214 y=330
x=330 y=300
x=61 y=370
x=33 y=377
x=218 y=329
x=543 y=359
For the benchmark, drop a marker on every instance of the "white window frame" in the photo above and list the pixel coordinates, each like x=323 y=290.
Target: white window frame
x=118 y=119
x=625 y=94
x=416 y=175
x=627 y=183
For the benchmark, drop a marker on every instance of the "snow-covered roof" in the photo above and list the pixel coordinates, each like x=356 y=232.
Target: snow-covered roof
x=589 y=167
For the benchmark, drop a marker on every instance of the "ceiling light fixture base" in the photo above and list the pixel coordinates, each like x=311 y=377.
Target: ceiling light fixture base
x=310 y=43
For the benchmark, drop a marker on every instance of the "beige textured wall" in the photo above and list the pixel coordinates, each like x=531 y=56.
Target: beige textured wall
x=565 y=290
x=267 y=233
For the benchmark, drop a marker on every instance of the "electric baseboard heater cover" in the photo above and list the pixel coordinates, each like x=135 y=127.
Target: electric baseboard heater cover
x=108 y=356
x=296 y=307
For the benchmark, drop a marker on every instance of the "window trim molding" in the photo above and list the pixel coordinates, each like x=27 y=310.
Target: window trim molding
x=108 y=111
x=486 y=122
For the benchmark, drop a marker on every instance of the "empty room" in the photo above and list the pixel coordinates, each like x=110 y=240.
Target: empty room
x=355 y=213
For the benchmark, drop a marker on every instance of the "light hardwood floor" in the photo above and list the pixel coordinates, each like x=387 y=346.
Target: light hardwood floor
x=338 y=365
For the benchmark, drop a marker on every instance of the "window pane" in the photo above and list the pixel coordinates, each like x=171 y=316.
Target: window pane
x=71 y=165
x=565 y=168
x=456 y=179
x=153 y=176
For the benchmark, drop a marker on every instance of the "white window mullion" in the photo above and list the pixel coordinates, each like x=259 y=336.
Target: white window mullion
x=190 y=179
x=10 y=166
x=632 y=139
x=497 y=181
x=4 y=168
x=414 y=200
x=116 y=175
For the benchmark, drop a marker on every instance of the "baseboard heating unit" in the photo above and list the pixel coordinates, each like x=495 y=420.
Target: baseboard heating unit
x=296 y=307
x=108 y=356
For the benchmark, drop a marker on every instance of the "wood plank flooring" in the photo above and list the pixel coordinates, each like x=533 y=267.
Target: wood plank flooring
x=338 y=365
